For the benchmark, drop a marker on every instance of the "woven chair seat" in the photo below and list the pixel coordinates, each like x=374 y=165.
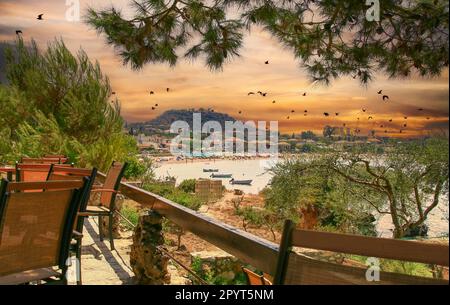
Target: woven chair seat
x=28 y=276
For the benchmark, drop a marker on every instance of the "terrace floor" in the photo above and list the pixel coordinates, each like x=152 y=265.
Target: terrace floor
x=101 y=266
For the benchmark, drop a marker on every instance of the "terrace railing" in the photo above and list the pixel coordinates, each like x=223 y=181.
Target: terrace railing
x=263 y=254
x=248 y=248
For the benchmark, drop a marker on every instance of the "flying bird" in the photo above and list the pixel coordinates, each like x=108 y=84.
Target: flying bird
x=153 y=108
x=113 y=93
x=288 y=118
x=304 y=94
x=151 y=92
x=267 y=62
x=326 y=114
x=385 y=97
x=404 y=125
x=18 y=32
x=273 y=102
x=380 y=92
x=420 y=109
x=390 y=120
x=428 y=118
x=364 y=110
x=167 y=89
x=250 y=93
x=292 y=111
x=240 y=112
x=337 y=113
x=405 y=117
x=370 y=118
x=39 y=17
x=156 y=105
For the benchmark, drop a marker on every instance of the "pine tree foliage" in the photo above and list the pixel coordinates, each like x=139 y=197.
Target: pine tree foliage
x=331 y=38
x=60 y=103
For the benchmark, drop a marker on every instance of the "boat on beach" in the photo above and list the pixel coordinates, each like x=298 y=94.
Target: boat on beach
x=210 y=170
x=241 y=182
x=221 y=175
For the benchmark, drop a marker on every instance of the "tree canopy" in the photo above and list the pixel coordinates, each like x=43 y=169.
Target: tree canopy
x=59 y=103
x=331 y=38
x=406 y=183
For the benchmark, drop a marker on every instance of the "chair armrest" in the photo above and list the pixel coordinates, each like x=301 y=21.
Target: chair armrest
x=103 y=190
x=86 y=214
x=77 y=235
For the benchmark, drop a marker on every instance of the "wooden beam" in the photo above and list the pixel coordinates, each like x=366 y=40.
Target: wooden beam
x=413 y=251
x=247 y=247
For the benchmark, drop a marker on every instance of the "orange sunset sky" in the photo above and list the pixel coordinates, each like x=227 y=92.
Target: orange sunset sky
x=194 y=86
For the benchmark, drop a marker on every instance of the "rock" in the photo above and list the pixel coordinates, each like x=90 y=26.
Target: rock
x=147 y=262
x=217 y=265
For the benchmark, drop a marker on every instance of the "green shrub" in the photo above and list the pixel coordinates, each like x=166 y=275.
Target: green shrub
x=130 y=213
x=57 y=102
x=174 y=194
x=188 y=186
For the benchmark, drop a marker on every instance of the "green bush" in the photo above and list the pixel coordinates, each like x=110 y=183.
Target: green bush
x=187 y=186
x=130 y=213
x=210 y=276
x=60 y=103
x=174 y=194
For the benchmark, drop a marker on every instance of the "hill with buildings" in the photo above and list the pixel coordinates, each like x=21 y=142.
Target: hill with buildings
x=162 y=123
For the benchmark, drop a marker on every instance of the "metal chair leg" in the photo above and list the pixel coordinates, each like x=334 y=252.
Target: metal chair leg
x=78 y=256
x=111 y=237
x=100 y=225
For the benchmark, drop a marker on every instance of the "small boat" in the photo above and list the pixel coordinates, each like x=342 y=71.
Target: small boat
x=210 y=170
x=241 y=182
x=221 y=175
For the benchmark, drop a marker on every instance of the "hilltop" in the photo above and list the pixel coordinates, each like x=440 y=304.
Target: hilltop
x=163 y=121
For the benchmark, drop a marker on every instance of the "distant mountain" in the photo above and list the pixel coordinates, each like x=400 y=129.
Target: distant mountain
x=164 y=121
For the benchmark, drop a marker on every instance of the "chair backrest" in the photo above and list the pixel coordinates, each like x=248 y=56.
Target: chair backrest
x=33 y=172
x=59 y=172
x=55 y=156
x=45 y=160
x=294 y=268
x=253 y=278
x=36 y=227
x=112 y=181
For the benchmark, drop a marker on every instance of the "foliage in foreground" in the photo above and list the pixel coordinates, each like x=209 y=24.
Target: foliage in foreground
x=331 y=38
x=59 y=103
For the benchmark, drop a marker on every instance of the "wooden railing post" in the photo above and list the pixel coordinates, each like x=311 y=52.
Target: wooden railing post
x=148 y=263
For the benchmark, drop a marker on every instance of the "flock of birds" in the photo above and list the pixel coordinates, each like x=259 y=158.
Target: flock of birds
x=357 y=130
x=384 y=97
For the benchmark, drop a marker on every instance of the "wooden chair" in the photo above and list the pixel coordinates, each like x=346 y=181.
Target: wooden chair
x=36 y=221
x=45 y=160
x=108 y=192
x=33 y=172
x=59 y=172
x=55 y=156
x=293 y=268
x=255 y=279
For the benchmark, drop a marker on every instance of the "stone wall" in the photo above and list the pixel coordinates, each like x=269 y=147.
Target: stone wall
x=148 y=263
x=218 y=266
